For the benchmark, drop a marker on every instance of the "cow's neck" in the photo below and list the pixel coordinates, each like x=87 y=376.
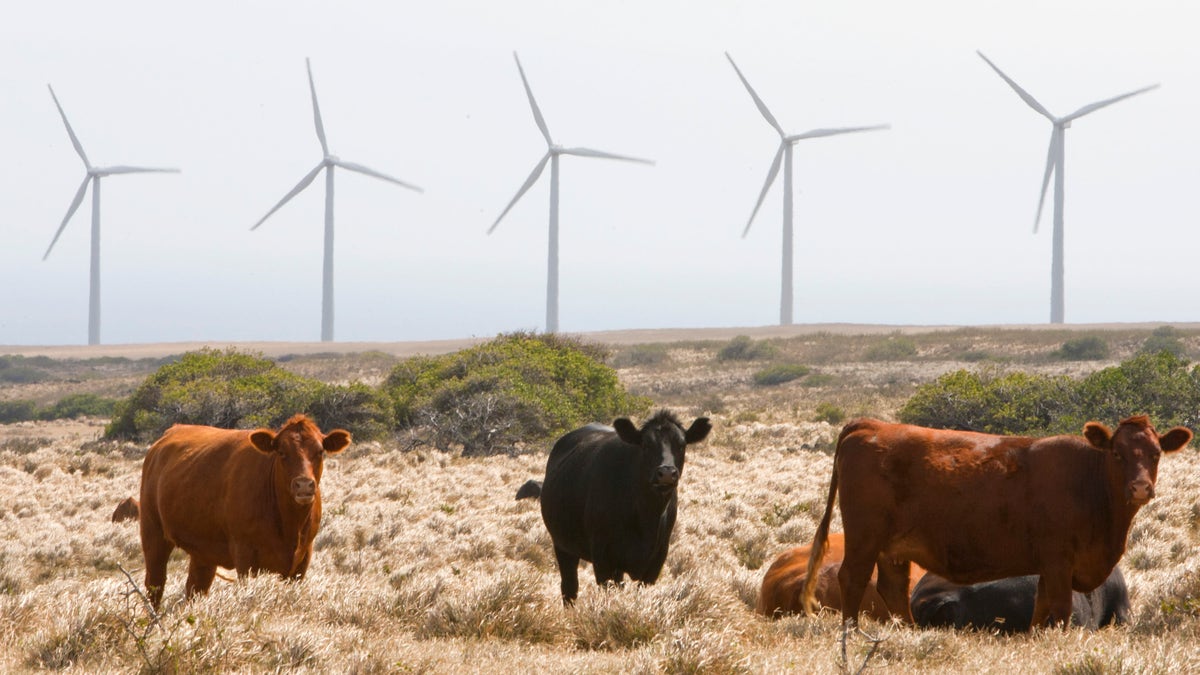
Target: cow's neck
x=293 y=520
x=653 y=506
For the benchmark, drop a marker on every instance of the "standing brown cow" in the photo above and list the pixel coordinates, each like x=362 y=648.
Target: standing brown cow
x=243 y=500
x=974 y=507
x=783 y=584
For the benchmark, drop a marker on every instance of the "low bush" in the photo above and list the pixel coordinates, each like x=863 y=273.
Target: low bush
x=894 y=348
x=1163 y=339
x=232 y=390
x=742 y=348
x=517 y=389
x=641 y=355
x=778 y=374
x=1086 y=348
x=18 y=410
x=1160 y=385
x=78 y=405
x=829 y=413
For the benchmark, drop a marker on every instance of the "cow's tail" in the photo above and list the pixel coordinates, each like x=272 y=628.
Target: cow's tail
x=127 y=510
x=816 y=554
x=532 y=489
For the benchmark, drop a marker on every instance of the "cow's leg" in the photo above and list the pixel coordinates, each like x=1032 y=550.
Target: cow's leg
x=1053 y=604
x=200 y=577
x=156 y=551
x=893 y=586
x=854 y=577
x=568 y=569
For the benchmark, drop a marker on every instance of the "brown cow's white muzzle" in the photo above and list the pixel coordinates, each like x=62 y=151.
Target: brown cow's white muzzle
x=1141 y=492
x=304 y=490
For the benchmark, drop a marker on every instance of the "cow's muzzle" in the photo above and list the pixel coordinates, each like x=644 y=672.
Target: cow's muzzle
x=304 y=490
x=1140 y=492
x=666 y=477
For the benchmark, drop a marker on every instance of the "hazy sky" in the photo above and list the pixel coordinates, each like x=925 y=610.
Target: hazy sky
x=927 y=223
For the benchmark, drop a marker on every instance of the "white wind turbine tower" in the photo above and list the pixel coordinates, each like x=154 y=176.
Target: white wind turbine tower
x=784 y=156
x=1054 y=164
x=553 y=151
x=328 y=162
x=94 y=174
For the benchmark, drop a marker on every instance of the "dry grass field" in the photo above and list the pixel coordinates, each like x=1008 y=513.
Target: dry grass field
x=426 y=564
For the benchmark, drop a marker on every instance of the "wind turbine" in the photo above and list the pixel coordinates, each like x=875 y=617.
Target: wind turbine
x=553 y=151
x=94 y=174
x=328 y=162
x=1054 y=164
x=784 y=156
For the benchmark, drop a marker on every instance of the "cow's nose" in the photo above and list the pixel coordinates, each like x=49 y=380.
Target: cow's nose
x=666 y=475
x=1141 y=491
x=304 y=488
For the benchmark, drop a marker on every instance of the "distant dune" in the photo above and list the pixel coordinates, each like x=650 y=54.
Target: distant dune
x=615 y=337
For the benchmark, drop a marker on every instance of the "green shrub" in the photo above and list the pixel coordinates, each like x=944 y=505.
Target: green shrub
x=1013 y=403
x=232 y=389
x=742 y=348
x=20 y=370
x=18 y=410
x=1086 y=348
x=641 y=355
x=78 y=405
x=1160 y=385
x=518 y=388
x=894 y=348
x=1163 y=339
x=778 y=374
x=830 y=413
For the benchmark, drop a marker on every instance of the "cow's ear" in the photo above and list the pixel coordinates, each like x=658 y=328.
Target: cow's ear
x=1175 y=439
x=1098 y=435
x=336 y=441
x=698 y=431
x=263 y=440
x=627 y=431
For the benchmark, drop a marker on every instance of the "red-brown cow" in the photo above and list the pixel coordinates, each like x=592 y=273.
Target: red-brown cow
x=244 y=500
x=784 y=582
x=974 y=507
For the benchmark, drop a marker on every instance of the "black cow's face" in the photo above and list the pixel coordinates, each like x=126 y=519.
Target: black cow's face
x=663 y=443
x=1134 y=450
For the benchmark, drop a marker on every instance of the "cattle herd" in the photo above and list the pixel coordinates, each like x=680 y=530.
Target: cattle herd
x=941 y=528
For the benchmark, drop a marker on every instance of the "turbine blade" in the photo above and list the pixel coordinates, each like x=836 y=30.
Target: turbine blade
x=537 y=112
x=537 y=171
x=1051 y=165
x=766 y=186
x=308 y=178
x=70 y=212
x=588 y=152
x=821 y=133
x=375 y=174
x=70 y=131
x=316 y=109
x=111 y=170
x=1017 y=88
x=1093 y=107
x=762 y=107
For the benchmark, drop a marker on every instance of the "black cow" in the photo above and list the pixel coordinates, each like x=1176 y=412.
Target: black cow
x=609 y=497
x=1006 y=605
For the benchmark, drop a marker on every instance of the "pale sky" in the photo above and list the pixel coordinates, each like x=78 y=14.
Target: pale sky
x=929 y=222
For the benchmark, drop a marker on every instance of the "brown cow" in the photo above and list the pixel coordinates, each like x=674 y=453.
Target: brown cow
x=126 y=510
x=784 y=582
x=244 y=500
x=974 y=507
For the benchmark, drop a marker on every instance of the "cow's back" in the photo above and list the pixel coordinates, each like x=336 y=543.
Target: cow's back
x=198 y=483
x=581 y=476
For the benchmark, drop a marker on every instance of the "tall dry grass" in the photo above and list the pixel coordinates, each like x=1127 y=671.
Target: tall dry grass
x=425 y=563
